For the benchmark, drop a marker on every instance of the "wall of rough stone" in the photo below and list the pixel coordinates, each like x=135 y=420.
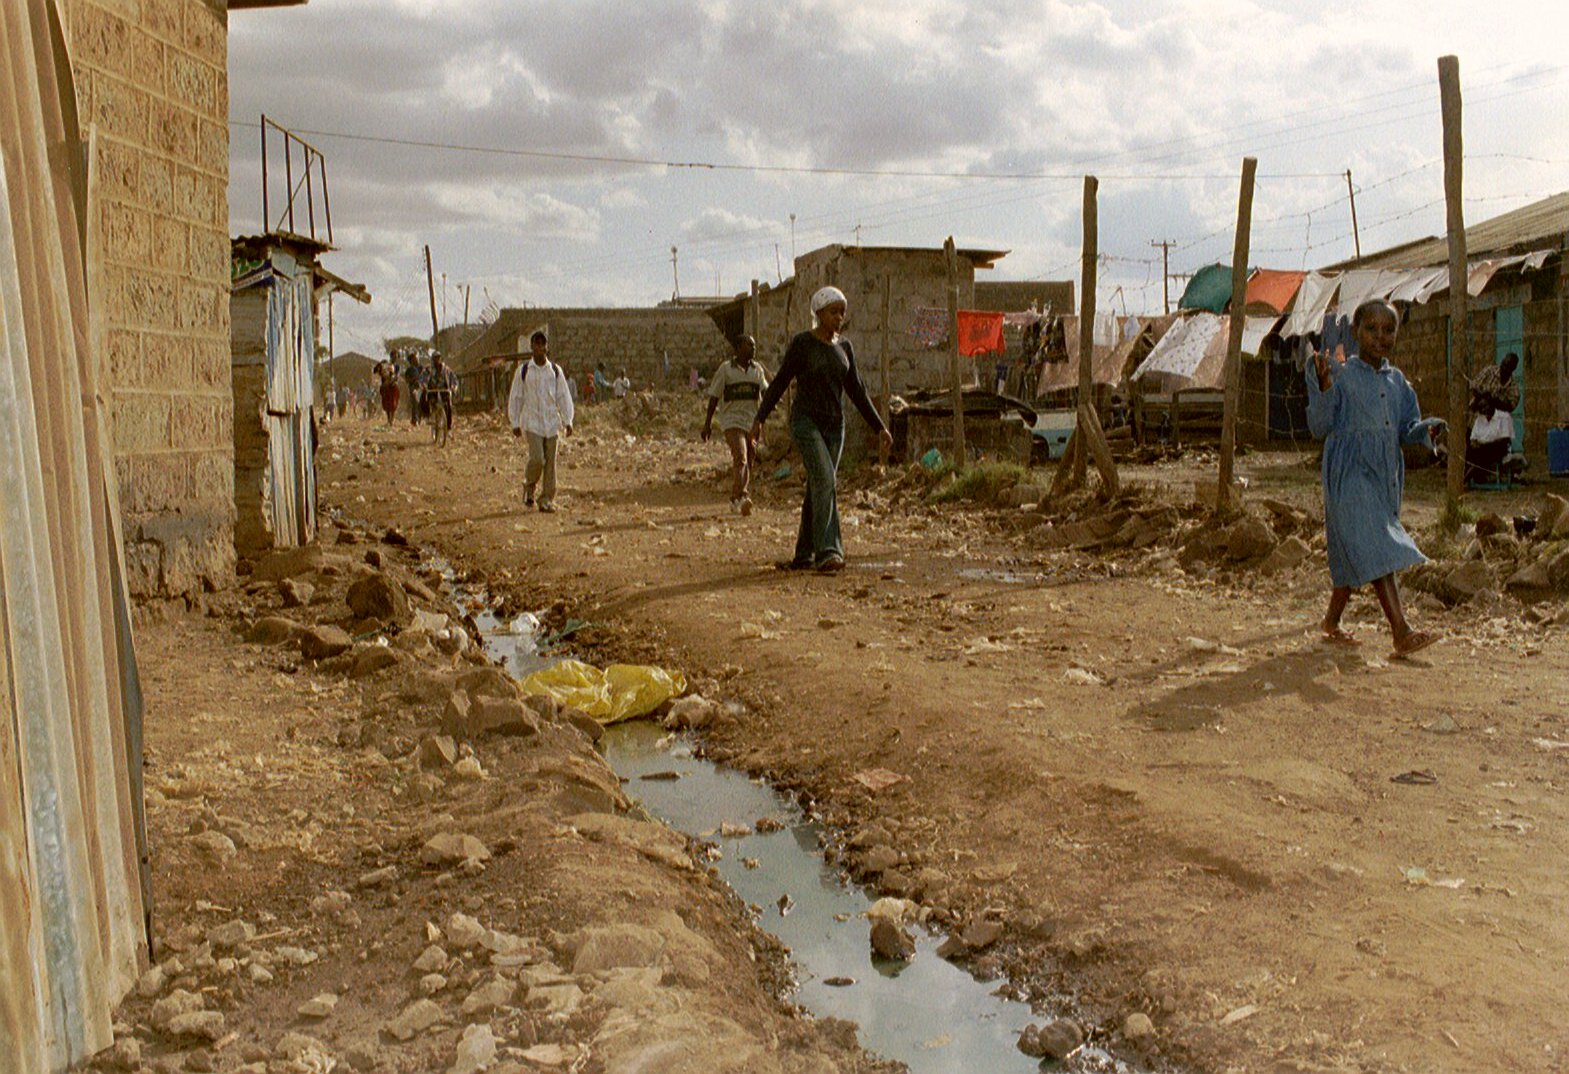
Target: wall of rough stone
x=643 y=341
x=151 y=78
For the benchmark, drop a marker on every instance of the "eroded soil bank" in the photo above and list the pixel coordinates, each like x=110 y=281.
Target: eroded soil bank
x=1133 y=754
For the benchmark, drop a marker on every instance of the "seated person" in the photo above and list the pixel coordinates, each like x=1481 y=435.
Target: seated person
x=1488 y=445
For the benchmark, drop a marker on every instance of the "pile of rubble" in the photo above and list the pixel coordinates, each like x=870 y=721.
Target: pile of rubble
x=1526 y=558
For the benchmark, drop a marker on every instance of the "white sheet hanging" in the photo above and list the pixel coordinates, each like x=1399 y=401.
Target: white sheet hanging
x=1182 y=348
x=1311 y=303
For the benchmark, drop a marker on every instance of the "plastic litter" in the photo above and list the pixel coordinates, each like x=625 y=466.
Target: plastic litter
x=619 y=692
x=932 y=459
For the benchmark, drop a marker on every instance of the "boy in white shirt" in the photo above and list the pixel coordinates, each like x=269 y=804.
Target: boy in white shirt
x=539 y=407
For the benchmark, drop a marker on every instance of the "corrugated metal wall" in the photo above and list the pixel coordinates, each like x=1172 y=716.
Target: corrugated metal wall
x=71 y=894
x=291 y=391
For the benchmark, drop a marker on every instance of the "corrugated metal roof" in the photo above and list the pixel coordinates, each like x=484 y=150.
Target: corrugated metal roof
x=1529 y=227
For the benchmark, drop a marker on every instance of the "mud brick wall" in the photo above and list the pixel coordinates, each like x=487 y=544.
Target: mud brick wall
x=633 y=339
x=919 y=278
x=151 y=77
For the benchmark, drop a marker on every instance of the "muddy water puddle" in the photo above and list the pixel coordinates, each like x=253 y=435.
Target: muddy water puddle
x=927 y=1013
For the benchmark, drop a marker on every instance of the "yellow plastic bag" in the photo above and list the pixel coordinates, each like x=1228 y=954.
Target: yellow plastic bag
x=620 y=692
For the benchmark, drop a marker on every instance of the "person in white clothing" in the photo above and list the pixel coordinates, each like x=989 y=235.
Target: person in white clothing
x=539 y=407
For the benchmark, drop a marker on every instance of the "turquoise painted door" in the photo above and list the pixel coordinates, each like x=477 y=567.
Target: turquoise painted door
x=1509 y=337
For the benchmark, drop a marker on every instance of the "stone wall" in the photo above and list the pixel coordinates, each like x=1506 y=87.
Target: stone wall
x=654 y=345
x=151 y=77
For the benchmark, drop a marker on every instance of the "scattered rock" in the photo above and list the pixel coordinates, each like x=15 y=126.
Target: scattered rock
x=152 y=982
x=377 y=877
x=487 y=682
x=453 y=848
x=273 y=630
x=1137 y=1029
x=431 y=983
x=199 y=1061
x=215 y=847
x=879 y=858
x=375 y=596
x=295 y=593
x=1287 y=554
x=691 y=713
x=468 y=769
x=979 y=935
x=464 y=931
x=892 y=942
x=1467 y=580
x=497 y=992
x=230 y=935
x=303 y=1049
x=476 y=1050
x=414 y=1020
x=437 y=752
x=318 y=1006
x=395 y=537
x=173 y=1005
x=1492 y=523
x=126 y=1055
x=608 y=947
x=324 y=641
x=431 y=960
x=584 y=723
x=369 y=659
x=502 y=716
x=1055 y=1040
x=288 y=563
x=332 y=902
x=1552 y=521
x=259 y=974
x=296 y=956
x=1249 y=538
x=208 y=1025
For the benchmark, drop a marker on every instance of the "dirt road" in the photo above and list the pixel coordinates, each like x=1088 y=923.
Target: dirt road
x=1160 y=781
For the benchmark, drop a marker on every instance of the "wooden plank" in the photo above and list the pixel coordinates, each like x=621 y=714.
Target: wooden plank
x=1459 y=326
x=1239 y=287
x=1095 y=443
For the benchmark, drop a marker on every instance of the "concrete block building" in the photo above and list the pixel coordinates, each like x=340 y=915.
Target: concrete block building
x=151 y=86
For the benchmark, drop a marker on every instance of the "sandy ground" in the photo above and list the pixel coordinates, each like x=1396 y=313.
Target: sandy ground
x=1171 y=794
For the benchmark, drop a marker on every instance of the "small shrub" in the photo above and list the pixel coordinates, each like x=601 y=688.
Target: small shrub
x=981 y=483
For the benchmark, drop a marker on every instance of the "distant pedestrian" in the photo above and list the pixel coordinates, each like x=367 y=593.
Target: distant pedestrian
x=821 y=363
x=388 y=374
x=414 y=379
x=621 y=385
x=539 y=407
x=736 y=389
x=1364 y=410
x=601 y=383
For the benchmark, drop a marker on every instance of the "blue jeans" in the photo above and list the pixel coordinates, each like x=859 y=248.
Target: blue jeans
x=818 y=539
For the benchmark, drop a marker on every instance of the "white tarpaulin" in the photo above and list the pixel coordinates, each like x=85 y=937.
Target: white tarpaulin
x=1180 y=350
x=1311 y=303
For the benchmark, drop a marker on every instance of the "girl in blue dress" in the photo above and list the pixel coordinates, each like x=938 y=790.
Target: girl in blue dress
x=1364 y=410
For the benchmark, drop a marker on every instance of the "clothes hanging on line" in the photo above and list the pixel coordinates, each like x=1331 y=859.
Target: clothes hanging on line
x=929 y=326
x=980 y=332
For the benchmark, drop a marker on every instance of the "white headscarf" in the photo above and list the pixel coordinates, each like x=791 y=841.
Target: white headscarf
x=825 y=297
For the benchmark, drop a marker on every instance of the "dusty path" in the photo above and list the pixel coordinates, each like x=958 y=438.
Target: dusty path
x=1162 y=784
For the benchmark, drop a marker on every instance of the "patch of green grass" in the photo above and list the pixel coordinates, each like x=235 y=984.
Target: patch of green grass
x=1455 y=515
x=982 y=483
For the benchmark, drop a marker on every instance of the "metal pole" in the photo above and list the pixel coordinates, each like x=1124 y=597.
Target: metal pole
x=1239 y=290
x=675 y=271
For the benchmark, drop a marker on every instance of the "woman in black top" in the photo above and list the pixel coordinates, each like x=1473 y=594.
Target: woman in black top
x=822 y=365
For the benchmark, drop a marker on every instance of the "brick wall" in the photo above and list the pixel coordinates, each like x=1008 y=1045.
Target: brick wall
x=151 y=76
x=637 y=340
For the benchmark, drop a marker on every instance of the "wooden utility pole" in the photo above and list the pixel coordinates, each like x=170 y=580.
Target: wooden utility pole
x=1459 y=324
x=754 y=311
x=1089 y=262
x=430 y=283
x=1165 y=273
x=1239 y=289
x=467 y=290
x=887 y=394
x=961 y=455
x=1356 y=232
x=1088 y=440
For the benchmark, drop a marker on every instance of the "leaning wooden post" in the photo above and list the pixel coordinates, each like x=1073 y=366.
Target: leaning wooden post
x=1459 y=298
x=1090 y=262
x=754 y=314
x=887 y=392
x=961 y=456
x=1239 y=289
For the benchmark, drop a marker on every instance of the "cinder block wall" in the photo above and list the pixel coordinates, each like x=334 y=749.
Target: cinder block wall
x=636 y=340
x=151 y=76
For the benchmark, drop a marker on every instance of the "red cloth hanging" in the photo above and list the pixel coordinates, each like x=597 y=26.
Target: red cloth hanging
x=980 y=332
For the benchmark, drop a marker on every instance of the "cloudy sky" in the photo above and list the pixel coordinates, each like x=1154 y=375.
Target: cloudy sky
x=543 y=149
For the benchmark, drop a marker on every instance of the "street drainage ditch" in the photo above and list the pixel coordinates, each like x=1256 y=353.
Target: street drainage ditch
x=926 y=1012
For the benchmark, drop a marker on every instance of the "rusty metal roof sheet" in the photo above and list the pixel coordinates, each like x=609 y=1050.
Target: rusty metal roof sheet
x=1520 y=231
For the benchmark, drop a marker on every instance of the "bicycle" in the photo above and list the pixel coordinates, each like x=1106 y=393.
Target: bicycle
x=438 y=403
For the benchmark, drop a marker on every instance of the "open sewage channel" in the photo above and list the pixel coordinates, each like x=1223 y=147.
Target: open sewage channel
x=928 y=1013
